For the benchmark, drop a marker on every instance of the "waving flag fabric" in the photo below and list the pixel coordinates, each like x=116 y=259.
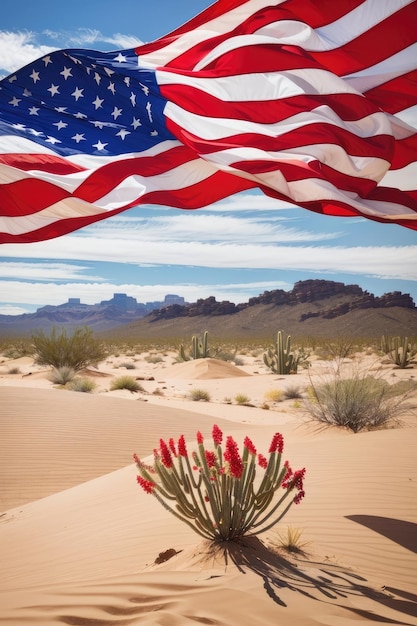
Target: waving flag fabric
x=311 y=102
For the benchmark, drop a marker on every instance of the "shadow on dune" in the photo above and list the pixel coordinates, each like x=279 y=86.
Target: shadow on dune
x=403 y=533
x=319 y=581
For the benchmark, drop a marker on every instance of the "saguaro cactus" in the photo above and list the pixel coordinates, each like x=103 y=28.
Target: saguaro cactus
x=280 y=359
x=399 y=350
x=199 y=348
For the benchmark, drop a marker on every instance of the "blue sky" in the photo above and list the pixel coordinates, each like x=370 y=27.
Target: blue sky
x=232 y=250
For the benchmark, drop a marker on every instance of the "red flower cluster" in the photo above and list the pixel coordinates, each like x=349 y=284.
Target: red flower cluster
x=217 y=435
x=232 y=456
x=182 y=448
x=277 y=443
x=166 y=457
x=249 y=445
x=147 y=485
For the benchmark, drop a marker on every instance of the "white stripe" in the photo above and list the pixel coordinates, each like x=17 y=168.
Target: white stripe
x=220 y=128
x=409 y=116
x=404 y=178
x=375 y=75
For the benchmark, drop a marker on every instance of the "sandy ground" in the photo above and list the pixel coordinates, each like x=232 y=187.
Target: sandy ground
x=82 y=544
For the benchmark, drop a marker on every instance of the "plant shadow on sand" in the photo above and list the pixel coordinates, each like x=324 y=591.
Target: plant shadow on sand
x=321 y=581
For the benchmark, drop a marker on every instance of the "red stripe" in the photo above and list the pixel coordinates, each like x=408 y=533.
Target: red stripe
x=405 y=152
x=395 y=95
x=397 y=32
x=44 y=162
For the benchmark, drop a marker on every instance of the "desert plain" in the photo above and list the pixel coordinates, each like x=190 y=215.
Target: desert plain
x=82 y=544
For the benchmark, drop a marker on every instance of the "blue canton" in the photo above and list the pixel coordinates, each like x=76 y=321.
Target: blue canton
x=84 y=102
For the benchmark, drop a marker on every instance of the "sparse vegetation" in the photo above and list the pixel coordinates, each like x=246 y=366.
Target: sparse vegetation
x=199 y=349
x=292 y=392
x=274 y=395
x=399 y=350
x=128 y=365
x=62 y=375
x=126 y=382
x=359 y=402
x=199 y=395
x=291 y=541
x=13 y=370
x=153 y=358
x=82 y=384
x=242 y=399
x=76 y=351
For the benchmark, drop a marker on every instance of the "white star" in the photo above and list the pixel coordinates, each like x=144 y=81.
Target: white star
x=54 y=89
x=98 y=124
x=97 y=78
x=111 y=88
x=19 y=126
x=127 y=80
x=60 y=124
x=78 y=137
x=34 y=76
x=122 y=133
x=51 y=140
x=148 y=108
x=116 y=113
x=99 y=145
x=120 y=58
x=37 y=133
x=12 y=79
x=74 y=60
x=80 y=116
x=88 y=70
x=33 y=110
x=26 y=93
x=133 y=99
x=145 y=89
x=98 y=102
x=66 y=72
x=108 y=71
x=154 y=133
x=60 y=109
x=78 y=93
x=15 y=101
x=47 y=60
x=136 y=122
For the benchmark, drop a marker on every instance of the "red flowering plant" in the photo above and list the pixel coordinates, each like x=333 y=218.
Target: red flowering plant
x=217 y=491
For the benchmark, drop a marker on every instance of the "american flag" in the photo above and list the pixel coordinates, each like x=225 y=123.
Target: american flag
x=311 y=102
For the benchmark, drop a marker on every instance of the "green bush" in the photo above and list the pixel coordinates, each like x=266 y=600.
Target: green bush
x=77 y=351
x=242 y=399
x=126 y=382
x=361 y=402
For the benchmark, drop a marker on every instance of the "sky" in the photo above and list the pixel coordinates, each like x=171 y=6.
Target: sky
x=233 y=250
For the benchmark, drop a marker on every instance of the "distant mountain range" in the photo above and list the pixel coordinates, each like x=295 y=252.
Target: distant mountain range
x=312 y=307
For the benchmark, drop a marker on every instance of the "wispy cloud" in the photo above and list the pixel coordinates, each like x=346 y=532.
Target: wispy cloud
x=44 y=271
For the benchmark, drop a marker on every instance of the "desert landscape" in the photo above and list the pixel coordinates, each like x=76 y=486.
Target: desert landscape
x=83 y=544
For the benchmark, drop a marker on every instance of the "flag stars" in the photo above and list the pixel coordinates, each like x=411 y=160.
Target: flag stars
x=47 y=60
x=120 y=58
x=116 y=113
x=126 y=81
x=98 y=102
x=60 y=124
x=80 y=116
x=66 y=72
x=34 y=76
x=97 y=77
x=27 y=93
x=111 y=88
x=78 y=93
x=52 y=140
x=132 y=99
x=15 y=101
x=136 y=122
x=78 y=137
x=122 y=133
x=33 y=111
x=99 y=145
x=54 y=89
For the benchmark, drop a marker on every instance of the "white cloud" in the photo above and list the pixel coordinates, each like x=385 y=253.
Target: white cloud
x=9 y=309
x=19 y=49
x=43 y=271
x=378 y=261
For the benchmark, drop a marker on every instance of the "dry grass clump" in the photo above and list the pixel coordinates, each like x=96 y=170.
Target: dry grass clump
x=76 y=351
x=199 y=395
x=81 y=384
x=128 y=365
x=292 y=392
x=126 y=382
x=13 y=370
x=242 y=399
x=62 y=375
x=291 y=542
x=274 y=395
x=358 y=402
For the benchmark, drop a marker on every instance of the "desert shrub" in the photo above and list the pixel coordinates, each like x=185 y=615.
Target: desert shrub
x=77 y=351
x=126 y=382
x=338 y=349
x=361 y=402
x=61 y=375
x=82 y=384
x=292 y=392
x=128 y=365
x=216 y=491
x=291 y=541
x=157 y=392
x=399 y=350
x=242 y=398
x=13 y=370
x=199 y=395
x=153 y=358
x=274 y=395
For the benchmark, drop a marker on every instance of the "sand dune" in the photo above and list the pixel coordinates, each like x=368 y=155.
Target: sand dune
x=82 y=544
